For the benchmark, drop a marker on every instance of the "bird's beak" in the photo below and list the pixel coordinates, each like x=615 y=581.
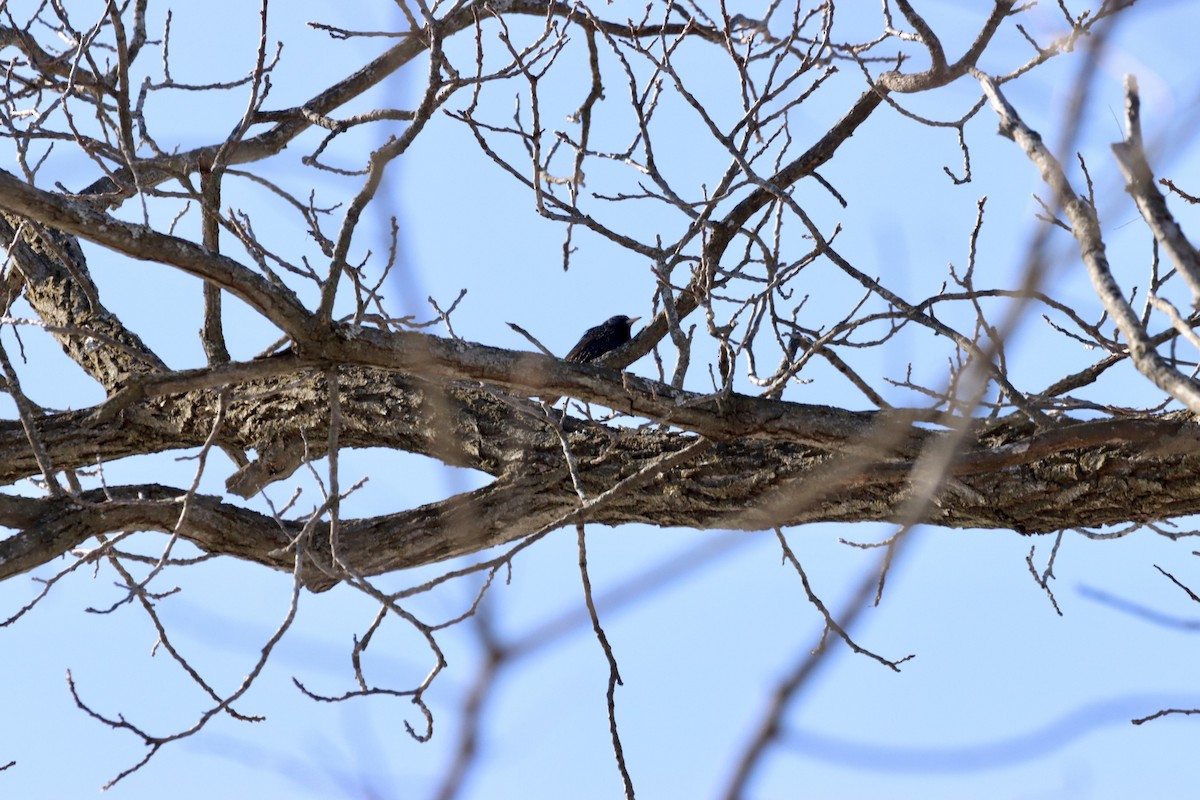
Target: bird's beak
x=633 y=320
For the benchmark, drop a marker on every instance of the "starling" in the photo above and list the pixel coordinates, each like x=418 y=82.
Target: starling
x=603 y=338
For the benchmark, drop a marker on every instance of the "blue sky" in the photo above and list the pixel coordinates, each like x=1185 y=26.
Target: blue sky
x=1004 y=699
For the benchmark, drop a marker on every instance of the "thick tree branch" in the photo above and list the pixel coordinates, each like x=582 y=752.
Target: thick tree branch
x=58 y=285
x=1091 y=473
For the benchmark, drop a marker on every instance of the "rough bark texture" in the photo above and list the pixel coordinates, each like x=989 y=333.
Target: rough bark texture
x=1078 y=474
x=721 y=460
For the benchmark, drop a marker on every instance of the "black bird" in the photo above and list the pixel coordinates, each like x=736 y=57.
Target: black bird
x=603 y=338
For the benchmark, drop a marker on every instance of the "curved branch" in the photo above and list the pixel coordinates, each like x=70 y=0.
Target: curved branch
x=290 y=123
x=1093 y=473
x=60 y=288
x=275 y=301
